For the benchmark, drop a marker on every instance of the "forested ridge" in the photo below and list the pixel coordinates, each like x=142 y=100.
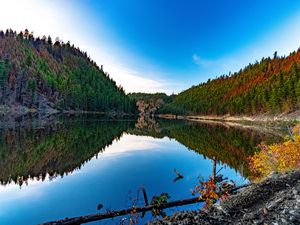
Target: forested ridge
x=151 y=97
x=271 y=85
x=38 y=72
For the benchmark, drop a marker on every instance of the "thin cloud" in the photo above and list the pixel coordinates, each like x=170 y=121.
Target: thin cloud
x=203 y=62
x=216 y=67
x=284 y=39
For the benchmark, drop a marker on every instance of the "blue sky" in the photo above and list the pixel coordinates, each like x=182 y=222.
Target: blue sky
x=161 y=45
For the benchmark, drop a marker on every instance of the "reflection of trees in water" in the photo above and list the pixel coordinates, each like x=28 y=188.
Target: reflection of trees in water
x=54 y=149
x=225 y=144
x=59 y=147
x=149 y=123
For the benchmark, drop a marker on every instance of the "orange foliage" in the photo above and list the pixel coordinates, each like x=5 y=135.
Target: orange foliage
x=276 y=157
x=213 y=189
x=208 y=193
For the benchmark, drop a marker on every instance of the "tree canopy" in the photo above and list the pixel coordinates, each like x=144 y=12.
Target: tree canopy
x=271 y=85
x=35 y=68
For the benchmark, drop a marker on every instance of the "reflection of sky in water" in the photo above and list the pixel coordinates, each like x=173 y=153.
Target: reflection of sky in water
x=125 y=165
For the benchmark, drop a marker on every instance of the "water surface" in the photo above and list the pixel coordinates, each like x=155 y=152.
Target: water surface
x=64 y=167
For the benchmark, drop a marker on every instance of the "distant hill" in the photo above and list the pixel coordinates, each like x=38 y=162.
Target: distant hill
x=148 y=103
x=271 y=85
x=150 y=96
x=40 y=73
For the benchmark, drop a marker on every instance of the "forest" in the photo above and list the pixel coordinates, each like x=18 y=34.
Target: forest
x=147 y=97
x=271 y=85
x=38 y=72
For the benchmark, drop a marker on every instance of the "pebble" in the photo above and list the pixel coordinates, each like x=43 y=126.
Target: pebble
x=271 y=205
x=249 y=216
x=292 y=212
x=265 y=211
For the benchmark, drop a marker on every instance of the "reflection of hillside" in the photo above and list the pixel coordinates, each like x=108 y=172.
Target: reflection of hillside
x=54 y=149
x=37 y=148
x=226 y=144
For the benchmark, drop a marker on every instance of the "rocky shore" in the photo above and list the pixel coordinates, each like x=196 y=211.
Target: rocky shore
x=273 y=201
x=291 y=116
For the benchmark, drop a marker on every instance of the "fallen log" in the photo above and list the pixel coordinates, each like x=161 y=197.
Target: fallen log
x=101 y=216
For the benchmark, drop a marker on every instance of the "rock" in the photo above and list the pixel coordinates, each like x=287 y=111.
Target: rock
x=265 y=211
x=292 y=212
x=249 y=216
x=268 y=202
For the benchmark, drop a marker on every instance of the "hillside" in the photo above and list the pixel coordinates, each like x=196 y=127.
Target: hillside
x=269 y=86
x=40 y=73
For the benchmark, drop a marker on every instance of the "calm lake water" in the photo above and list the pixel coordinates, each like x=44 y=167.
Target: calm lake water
x=64 y=167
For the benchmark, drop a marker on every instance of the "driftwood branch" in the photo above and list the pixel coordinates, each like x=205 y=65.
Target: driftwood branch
x=101 y=216
x=145 y=199
x=291 y=133
x=145 y=196
x=179 y=175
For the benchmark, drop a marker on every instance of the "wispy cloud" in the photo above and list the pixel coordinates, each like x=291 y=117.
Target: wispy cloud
x=284 y=39
x=216 y=67
x=203 y=62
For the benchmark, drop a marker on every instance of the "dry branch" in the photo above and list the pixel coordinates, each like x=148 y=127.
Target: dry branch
x=101 y=216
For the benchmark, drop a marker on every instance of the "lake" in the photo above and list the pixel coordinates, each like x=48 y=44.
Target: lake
x=52 y=168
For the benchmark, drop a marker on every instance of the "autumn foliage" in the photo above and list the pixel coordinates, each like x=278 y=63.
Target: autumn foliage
x=271 y=85
x=213 y=189
x=276 y=157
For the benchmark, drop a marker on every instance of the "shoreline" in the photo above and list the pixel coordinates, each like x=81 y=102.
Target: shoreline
x=275 y=200
x=262 y=118
x=17 y=110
